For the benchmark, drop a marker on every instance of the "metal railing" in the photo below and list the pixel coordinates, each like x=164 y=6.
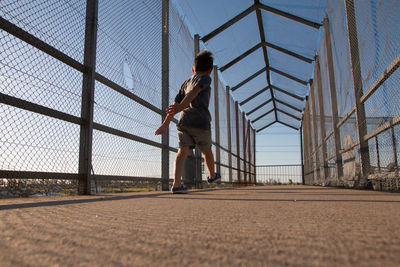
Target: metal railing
x=279 y=174
x=350 y=125
x=81 y=100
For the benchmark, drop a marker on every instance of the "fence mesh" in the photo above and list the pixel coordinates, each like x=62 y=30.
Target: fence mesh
x=359 y=60
x=41 y=83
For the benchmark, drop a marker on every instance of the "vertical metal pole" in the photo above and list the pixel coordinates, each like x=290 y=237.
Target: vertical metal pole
x=249 y=151
x=216 y=121
x=228 y=120
x=254 y=156
x=315 y=129
x=358 y=91
x=308 y=137
x=196 y=44
x=301 y=153
x=317 y=76
x=244 y=148
x=197 y=152
x=378 y=160
x=332 y=86
x=165 y=93
x=87 y=109
x=237 y=140
x=394 y=144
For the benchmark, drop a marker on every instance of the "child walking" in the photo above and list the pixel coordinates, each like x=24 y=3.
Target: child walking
x=194 y=123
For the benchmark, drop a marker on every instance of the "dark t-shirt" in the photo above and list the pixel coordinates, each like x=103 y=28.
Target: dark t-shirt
x=196 y=115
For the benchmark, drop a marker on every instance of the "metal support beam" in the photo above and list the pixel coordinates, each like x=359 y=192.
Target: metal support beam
x=197 y=153
x=244 y=148
x=248 y=79
x=259 y=106
x=196 y=44
x=288 y=52
x=242 y=56
x=394 y=145
x=288 y=114
x=264 y=48
x=253 y=96
x=216 y=121
x=288 y=105
x=332 y=87
x=317 y=77
x=165 y=92
x=288 y=76
x=237 y=140
x=263 y=115
x=262 y=44
x=228 y=120
x=228 y=24
x=254 y=155
x=312 y=24
x=315 y=128
x=287 y=93
x=87 y=110
x=288 y=125
x=266 y=126
x=358 y=90
x=302 y=154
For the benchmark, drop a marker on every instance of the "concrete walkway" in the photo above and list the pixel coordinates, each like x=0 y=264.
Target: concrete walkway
x=250 y=226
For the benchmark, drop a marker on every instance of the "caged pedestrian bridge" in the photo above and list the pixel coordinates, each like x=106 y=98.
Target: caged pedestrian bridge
x=85 y=83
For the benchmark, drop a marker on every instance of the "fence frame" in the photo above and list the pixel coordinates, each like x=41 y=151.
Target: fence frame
x=84 y=173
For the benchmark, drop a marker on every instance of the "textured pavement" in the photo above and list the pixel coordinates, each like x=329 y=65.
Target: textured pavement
x=248 y=226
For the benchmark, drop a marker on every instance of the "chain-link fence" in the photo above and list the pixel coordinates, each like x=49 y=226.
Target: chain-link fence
x=350 y=125
x=83 y=86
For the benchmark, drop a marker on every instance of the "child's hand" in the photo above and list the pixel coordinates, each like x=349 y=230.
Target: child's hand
x=173 y=109
x=161 y=130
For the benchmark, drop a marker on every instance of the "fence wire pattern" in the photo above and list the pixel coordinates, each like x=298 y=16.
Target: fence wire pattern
x=351 y=119
x=81 y=96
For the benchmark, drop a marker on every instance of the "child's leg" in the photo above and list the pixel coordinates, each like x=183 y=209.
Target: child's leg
x=180 y=165
x=209 y=158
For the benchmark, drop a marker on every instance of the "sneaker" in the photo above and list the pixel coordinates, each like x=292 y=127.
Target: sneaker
x=179 y=190
x=217 y=178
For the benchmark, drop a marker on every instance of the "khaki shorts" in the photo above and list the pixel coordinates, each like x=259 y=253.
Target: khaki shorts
x=192 y=137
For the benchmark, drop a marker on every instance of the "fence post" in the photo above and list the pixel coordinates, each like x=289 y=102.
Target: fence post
x=315 y=129
x=254 y=156
x=358 y=91
x=197 y=153
x=165 y=93
x=237 y=140
x=378 y=160
x=332 y=86
x=308 y=139
x=249 y=151
x=216 y=121
x=302 y=153
x=317 y=76
x=394 y=144
x=244 y=148
x=88 y=84
x=228 y=119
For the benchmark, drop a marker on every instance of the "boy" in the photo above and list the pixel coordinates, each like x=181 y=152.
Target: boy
x=194 y=123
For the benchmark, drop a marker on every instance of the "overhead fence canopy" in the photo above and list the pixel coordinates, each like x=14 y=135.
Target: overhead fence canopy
x=265 y=52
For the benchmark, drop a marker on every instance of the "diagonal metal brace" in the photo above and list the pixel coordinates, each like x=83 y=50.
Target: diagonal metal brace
x=253 y=96
x=281 y=13
x=228 y=23
x=266 y=126
x=258 y=107
x=248 y=79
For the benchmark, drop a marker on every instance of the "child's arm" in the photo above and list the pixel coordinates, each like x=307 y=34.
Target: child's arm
x=178 y=107
x=164 y=126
